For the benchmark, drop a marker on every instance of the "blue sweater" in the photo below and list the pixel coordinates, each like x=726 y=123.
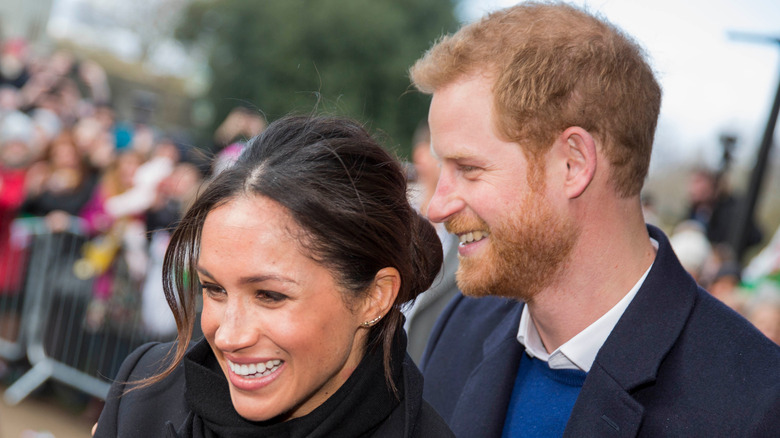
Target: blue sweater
x=542 y=399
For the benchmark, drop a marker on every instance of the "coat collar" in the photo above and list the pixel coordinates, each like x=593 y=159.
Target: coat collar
x=652 y=322
x=632 y=354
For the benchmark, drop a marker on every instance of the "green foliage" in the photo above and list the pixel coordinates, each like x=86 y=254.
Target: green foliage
x=347 y=57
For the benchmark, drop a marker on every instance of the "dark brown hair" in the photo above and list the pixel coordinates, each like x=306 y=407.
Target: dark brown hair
x=346 y=193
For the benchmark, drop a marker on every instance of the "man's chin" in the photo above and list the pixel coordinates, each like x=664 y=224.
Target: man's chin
x=470 y=281
x=476 y=279
x=483 y=279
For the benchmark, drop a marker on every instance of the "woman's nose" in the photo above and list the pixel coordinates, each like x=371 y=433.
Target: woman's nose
x=235 y=330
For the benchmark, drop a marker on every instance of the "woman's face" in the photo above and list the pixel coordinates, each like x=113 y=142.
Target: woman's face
x=276 y=320
x=64 y=155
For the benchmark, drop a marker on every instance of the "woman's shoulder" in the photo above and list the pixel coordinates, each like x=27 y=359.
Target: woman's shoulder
x=130 y=411
x=146 y=359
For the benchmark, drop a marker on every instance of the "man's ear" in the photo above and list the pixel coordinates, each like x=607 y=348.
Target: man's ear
x=580 y=154
x=381 y=296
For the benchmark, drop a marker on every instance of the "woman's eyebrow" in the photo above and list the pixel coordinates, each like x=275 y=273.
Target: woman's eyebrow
x=268 y=277
x=252 y=278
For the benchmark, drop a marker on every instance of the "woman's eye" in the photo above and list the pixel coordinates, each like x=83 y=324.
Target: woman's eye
x=212 y=290
x=270 y=296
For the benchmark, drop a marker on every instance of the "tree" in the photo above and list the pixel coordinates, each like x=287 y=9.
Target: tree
x=348 y=57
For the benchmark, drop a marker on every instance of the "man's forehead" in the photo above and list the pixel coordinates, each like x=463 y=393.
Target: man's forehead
x=456 y=152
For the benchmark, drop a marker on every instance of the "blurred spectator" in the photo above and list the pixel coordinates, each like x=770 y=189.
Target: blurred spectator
x=96 y=141
x=711 y=204
x=692 y=247
x=141 y=195
x=118 y=245
x=95 y=79
x=67 y=86
x=15 y=154
x=240 y=125
x=761 y=277
x=16 y=135
x=10 y=100
x=766 y=263
x=725 y=286
x=174 y=195
x=13 y=63
x=47 y=126
x=426 y=168
x=60 y=185
x=116 y=180
x=16 y=131
x=764 y=312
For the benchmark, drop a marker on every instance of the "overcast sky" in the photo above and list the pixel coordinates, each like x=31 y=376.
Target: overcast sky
x=712 y=82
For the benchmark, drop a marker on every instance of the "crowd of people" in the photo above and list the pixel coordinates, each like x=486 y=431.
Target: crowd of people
x=69 y=163
x=702 y=242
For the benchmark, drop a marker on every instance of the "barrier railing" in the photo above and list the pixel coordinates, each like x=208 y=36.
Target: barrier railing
x=68 y=332
x=13 y=307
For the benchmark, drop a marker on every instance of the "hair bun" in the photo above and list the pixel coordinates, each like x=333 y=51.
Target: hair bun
x=427 y=254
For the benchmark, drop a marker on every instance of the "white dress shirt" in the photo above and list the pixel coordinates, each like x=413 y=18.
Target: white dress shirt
x=580 y=351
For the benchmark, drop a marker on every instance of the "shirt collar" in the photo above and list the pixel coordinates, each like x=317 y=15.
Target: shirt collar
x=580 y=351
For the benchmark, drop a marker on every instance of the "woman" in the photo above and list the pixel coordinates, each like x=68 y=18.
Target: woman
x=60 y=185
x=305 y=250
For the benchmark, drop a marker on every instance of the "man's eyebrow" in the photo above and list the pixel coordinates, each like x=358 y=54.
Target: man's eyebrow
x=453 y=157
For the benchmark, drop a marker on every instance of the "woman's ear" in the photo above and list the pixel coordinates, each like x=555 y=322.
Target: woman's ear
x=382 y=295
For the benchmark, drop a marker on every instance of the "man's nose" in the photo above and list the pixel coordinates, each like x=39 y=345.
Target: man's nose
x=446 y=200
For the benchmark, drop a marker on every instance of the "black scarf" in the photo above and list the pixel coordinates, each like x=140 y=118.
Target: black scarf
x=355 y=410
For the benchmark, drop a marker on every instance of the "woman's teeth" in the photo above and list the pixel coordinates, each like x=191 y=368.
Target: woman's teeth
x=473 y=236
x=260 y=369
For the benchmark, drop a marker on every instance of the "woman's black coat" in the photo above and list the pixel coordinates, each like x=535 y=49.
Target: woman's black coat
x=174 y=406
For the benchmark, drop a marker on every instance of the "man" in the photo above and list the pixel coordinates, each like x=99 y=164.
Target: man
x=543 y=119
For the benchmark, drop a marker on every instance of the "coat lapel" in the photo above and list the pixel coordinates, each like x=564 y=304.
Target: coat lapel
x=482 y=405
x=634 y=351
x=603 y=409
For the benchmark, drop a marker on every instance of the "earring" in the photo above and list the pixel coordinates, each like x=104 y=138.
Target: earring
x=372 y=322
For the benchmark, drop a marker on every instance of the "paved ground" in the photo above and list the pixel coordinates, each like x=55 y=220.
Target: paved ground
x=46 y=415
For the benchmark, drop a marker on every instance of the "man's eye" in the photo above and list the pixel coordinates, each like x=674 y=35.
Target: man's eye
x=467 y=169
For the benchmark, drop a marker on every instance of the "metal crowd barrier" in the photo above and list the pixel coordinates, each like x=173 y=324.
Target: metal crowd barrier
x=68 y=334
x=13 y=307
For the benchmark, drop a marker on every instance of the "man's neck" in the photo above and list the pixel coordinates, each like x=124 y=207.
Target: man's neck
x=604 y=266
